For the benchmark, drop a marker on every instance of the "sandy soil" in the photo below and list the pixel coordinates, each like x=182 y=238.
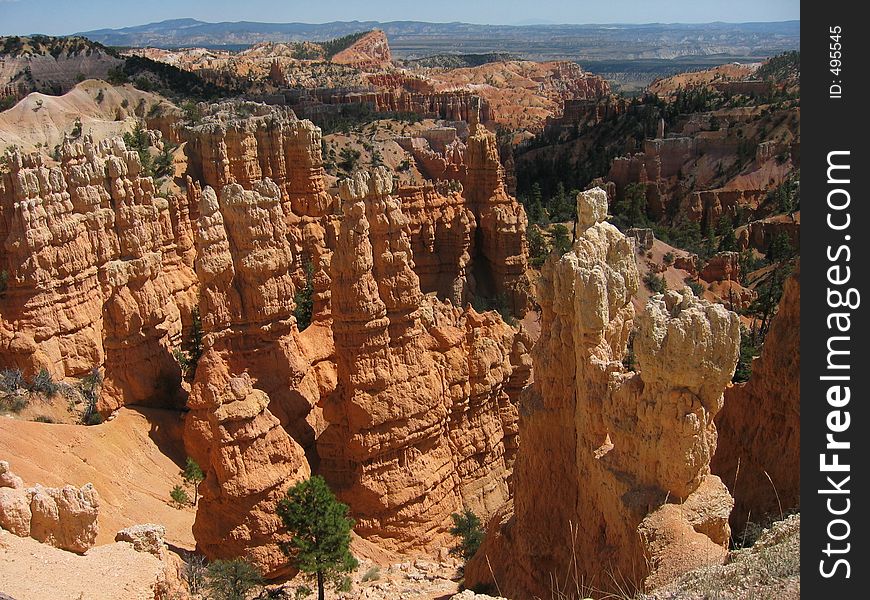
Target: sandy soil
x=35 y=571
x=133 y=460
x=43 y=119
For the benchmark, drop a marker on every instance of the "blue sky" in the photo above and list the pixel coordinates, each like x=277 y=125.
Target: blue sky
x=56 y=17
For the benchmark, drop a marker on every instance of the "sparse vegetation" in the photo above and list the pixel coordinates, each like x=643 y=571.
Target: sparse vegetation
x=304 y=299
x=179 y=496
x=539 y=246
x=654 y=283
x=561 y=238
x=373 y=574
x=42 y=383
x=193 y=573
x=89 y=388
x=193 y=476
x=231 y=579
x=469 y=532
x=190 y=352
x=498 y=303
x=12 y=380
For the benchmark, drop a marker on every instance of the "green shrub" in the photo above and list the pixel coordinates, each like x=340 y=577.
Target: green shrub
x=44 y=419
x=179 y=496
x=469 y=531
x=654 y=283
x=320 y=530
x=304 y=299
x=696 y=286
x=561 y=238
x=12 y=380
x=89 y=387
x=372 y=574
x=193 y=475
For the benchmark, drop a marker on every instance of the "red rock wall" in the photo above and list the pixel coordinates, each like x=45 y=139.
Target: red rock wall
x=421 y=423
x=99 y=272
x=758 y=456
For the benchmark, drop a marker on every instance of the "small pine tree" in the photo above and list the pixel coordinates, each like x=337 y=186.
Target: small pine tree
x=179 y=496
x=539 y=247
x=561 y=239
x=320 y=531
x=231 y=579
x=304 y=299
x=193 y=475
x=466 y=527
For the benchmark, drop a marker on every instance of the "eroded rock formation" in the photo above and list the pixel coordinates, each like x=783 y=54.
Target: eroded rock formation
x=764 y=477
x=501 y=224
x=62 y=517
x=612 y=478
x=249 y=462
x=422 y=421
x=97 y=273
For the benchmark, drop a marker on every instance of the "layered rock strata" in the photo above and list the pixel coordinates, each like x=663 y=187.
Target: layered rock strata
x=764 y=477
x=422 y=422
x=99 y=272
x=244 y=265
x=612 y=480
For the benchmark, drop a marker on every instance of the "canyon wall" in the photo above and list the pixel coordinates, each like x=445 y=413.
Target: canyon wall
x=422 y=422
x=612 y=480
x=501 y=224
x=99 y=272
x=764 y=477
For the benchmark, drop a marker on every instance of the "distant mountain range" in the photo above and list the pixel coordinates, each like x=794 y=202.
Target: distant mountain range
x=415 y=39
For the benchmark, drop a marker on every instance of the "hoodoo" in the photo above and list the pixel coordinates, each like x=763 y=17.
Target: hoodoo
x=612 y=477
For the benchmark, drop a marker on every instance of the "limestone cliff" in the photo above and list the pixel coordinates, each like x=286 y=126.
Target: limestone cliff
x=99 y=272
x=764 y=477
x=612 y=480
x=421 y=422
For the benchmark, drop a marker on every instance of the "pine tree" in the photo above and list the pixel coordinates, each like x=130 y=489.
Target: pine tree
x=194 y=476
x=320 y=531
x=304 y=299
x=466 y=527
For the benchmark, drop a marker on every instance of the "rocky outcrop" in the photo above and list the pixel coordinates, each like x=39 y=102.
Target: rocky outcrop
x=451 y=105
x=249 y=462
x=422 y=422
x=764 y=477
x=241 y=143
x=62 y=517
x=438 y=153
x=144 y=538
x=371 y=51
x=97 y=272
x=260 y=241
x=612 y=478
x=723 y=266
